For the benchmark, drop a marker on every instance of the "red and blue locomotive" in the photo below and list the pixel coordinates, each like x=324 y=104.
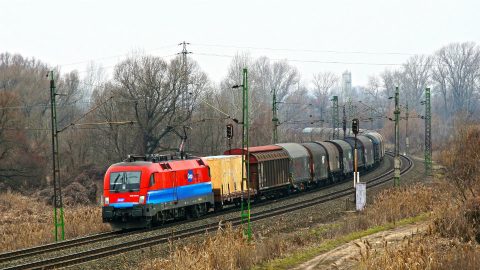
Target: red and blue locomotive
x=144 y=190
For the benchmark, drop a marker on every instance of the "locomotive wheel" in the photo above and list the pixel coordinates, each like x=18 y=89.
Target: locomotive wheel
x=192 y=212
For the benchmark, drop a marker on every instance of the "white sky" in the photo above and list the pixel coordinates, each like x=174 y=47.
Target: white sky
x=64 y=32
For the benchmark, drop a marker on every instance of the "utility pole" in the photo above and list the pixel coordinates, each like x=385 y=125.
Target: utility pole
x=407 y=143
x=428 y=133
x=397 y=163
x=184 y=53
x=275 y=118
x=245 y=209
x=344 y=123
x=371 y=118
x=349 y=109
x=59 y=223
x=335 y=120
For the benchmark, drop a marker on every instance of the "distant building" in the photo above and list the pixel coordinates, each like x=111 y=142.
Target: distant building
x=346 y=86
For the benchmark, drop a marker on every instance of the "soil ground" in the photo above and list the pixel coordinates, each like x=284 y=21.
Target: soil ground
x=344 y=256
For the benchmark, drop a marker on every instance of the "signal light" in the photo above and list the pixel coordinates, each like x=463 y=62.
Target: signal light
x=355 y=126
x=229 y=131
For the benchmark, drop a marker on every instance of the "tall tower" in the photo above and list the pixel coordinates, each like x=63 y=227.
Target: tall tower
x=346 y=85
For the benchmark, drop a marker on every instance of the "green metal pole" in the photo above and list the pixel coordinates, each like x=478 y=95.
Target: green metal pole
x=397 y=162
x=57 y=190
x=275 y=118
x=245 y=210
x=407 y=143
x=335 y=120
x=428 y=133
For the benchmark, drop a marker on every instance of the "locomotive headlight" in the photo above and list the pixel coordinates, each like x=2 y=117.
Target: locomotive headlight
x=141 y=199
x=107 y=200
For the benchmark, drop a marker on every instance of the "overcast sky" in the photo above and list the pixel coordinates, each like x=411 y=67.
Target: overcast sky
x=360 y=36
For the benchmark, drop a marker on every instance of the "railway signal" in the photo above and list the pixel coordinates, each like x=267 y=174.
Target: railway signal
x=229 y=135
x=229 y=131
x=355 y=129
x=397 y=162
x=355 y=126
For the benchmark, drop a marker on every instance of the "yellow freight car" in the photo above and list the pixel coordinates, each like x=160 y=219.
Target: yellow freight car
x=226 y=174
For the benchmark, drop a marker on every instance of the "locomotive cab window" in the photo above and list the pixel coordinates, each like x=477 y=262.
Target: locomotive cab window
x=152 y=180
x=124 y=181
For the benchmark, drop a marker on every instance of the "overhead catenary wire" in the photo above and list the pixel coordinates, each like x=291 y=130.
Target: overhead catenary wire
x=115 y=56
x=300 y=50
x=75 y=126
x=310 y=61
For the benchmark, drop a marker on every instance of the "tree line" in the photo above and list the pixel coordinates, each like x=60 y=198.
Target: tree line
x=147 y=101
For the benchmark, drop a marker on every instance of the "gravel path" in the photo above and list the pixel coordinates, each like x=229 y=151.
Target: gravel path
x=343 y=257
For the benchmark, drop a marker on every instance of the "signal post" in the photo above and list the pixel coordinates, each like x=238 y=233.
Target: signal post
x=360 y=188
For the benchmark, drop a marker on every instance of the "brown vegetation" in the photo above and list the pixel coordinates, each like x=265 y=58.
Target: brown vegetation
x=26 y=222
x=453 y=241
x=227 y=249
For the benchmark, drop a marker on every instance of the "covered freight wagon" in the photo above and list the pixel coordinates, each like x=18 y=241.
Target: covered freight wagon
x=360 y=151
x=346 y=155
x=299 y=162
x=365 y=147
x=334 y=165
x=226 y=177
x=381 y=145
x=269 y=167
x=318 y=161
x=376 y=146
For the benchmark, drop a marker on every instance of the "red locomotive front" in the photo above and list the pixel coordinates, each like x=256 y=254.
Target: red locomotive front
x=140 y=193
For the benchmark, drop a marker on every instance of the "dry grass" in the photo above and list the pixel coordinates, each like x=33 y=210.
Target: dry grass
x=422 y=252
x=26 y=222
x=226 y=249
x=392 y=205
x=453 y=241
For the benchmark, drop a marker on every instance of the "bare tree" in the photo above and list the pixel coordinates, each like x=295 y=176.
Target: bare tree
x=416 y=73
x=155 y=86
x=324 y=83
x=457 y=75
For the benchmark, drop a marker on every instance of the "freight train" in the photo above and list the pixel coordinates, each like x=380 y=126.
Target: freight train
x=147 y=190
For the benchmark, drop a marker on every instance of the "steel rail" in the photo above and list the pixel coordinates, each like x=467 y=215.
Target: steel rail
x=92 y=254
x=90 y=239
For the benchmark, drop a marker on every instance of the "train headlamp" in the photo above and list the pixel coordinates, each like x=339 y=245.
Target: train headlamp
x=141 y=199
x=107 y=200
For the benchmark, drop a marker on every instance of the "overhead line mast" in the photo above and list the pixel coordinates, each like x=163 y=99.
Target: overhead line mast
x=335 y=119
x=428 y=133
x=185 y=93
x=59 y=223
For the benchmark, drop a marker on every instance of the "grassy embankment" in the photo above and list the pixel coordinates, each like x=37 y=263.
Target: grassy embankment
x=25 y=222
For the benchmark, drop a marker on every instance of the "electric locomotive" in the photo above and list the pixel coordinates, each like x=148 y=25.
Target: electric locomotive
x=144 y=190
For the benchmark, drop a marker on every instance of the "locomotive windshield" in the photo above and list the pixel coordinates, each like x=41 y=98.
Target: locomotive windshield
x=124 y=181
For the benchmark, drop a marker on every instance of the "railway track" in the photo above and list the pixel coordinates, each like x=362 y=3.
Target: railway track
x=23 y=253
x=97 y=253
